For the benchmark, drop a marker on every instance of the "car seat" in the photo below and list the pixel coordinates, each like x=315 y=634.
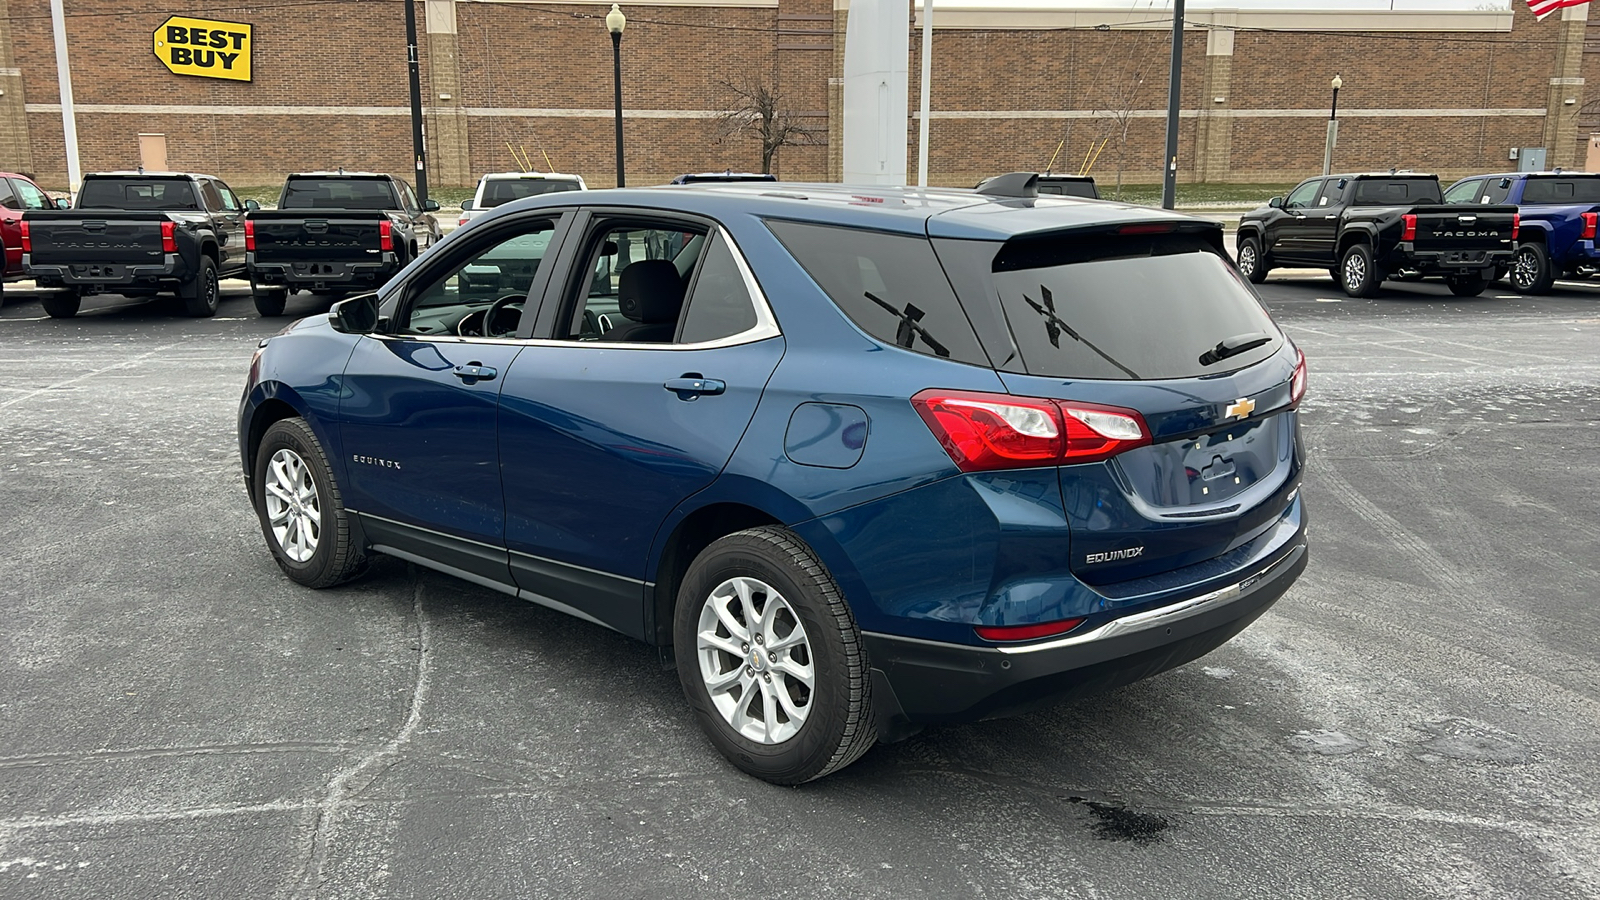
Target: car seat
x=650 y=296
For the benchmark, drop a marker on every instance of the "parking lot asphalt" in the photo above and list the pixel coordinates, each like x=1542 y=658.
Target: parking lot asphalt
x=1418 y=718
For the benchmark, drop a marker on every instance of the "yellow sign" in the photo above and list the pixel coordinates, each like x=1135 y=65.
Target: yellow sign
x=204 y=48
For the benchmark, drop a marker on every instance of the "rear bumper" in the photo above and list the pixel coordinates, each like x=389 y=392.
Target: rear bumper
x=325 y=274
x=106 y=275
x=917 y=681
x=1447 y=261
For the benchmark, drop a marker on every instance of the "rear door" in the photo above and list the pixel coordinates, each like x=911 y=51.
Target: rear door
x=635 y=400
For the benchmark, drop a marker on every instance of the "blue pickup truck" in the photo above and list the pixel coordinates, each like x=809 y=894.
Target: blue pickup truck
x=1559 y=213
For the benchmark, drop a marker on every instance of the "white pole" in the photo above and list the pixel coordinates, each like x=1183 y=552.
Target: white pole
x=927 y=65
x=69 y=120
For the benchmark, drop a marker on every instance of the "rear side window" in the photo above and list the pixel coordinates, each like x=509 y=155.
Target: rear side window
x=1128 y=307
x=890 y=285
x=1396 y=191
x=1561 y=190
x=137 y=193
x=719 y=303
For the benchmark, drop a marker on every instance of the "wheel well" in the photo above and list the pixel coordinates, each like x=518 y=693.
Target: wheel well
x=268 y=412
x=694 y=534
x=1526 y=235
x=1351 y=239
x=209 y=249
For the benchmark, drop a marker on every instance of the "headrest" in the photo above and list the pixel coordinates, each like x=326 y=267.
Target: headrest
x=650 y=291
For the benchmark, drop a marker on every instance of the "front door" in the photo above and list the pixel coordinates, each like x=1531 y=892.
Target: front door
x=636 y=401
x=1287 y=237
x=419 y=414
x=1321 y=225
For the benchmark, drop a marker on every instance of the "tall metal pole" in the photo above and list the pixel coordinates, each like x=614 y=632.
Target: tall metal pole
x=418 y=145
x=1169 y=181
x=1333 y=128
x=616 y=80
x=69 y=118
x=927 y=67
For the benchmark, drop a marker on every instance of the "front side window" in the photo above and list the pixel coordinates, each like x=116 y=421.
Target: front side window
x=483 y=295
x=31 y=197
x=1304 y=194
x=890 y=285
x=636 y=276
x=1463 y=192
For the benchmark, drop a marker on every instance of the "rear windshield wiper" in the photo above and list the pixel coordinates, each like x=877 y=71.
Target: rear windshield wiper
x=1234 y=346
x=1055 y=325
x=910 y=326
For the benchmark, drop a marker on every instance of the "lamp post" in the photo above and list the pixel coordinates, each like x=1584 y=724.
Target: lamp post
x=1333 y=127
x=615 y=22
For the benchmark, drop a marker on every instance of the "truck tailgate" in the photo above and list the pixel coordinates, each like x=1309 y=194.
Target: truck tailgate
x=67 y=237
x=1444 y=228
x=338 y=236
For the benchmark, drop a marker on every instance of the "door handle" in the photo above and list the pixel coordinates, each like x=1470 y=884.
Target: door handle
x=1299 y=217
x=1330 y=217
x=691 y=386
x=475 y=371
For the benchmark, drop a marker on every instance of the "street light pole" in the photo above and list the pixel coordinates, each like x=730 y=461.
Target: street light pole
x=615 y=22
x=1333 y=127
x=419 y=146
x=1169 y=178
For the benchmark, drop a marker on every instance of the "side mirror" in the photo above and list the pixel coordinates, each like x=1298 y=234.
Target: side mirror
x=355 y=315
x=466 y=205
x=430 y=206
x=63 y=203
x=1505 y=183
x=252 y=205
x=1276 y=203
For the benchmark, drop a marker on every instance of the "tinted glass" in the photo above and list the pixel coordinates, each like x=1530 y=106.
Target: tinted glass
x=337 y=193
x=1496 y=190
x=890 y=285
x=504 y=190
x=1069 y=188
x=1562 y=190
x=31 y=197
x=1126 y=307
x=1396 y=191
x=211 y=195
x=1332 y=192
x=8 y=199
x=720 y=304
x=137 y=193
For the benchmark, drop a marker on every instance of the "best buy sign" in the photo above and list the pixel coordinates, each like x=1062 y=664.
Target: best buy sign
x=205 y=48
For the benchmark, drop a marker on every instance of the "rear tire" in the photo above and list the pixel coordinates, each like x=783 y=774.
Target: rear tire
x=269 y=301
x=1531 y=272
x=754 y=705
x=1468 y=285
x=1252 y=262
x=62 y=304
x=300 y=508
x=202 y=293
x=1358 y=273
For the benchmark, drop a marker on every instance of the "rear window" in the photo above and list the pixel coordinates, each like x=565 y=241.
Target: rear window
x=1396 y=191
x=1127 y=307
x=1069 y=189
x=1561 y=190
x=890 y=285
x=338 y=193
x=137 y=193
x=505 y=190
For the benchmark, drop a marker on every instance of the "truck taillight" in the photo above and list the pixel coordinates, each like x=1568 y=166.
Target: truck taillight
x=983 y=432
x=169 y=237
x=385 y=235
x=1589 y=221
x=1408 y=225
x=249 y=235
x=1516 y=225
x=27 y=238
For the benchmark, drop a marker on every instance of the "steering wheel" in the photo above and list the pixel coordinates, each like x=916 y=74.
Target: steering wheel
x=496 y=308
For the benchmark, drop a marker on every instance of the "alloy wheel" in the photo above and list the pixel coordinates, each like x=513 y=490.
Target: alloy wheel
x=1247 y=260
x=755 y=660
x=294 y=510
x=1355 y=270
x=1524 y=269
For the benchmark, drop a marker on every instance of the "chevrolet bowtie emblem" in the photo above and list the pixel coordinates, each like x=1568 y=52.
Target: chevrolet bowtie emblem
x=1240 y=408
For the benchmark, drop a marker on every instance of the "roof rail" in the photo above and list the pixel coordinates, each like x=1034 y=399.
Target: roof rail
x=1011 y=184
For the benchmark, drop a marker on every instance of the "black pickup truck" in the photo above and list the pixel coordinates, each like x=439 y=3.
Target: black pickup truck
x=1365 y=228
x=335 y=232
x=137 y=234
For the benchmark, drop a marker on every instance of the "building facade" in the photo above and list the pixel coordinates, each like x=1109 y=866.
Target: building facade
x=1012 y=89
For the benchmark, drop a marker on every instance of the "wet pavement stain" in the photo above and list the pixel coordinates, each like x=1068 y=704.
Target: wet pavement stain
x=1469 y=741
x=1119 y=823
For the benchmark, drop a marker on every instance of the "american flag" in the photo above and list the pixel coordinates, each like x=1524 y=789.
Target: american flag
x=1542 y=8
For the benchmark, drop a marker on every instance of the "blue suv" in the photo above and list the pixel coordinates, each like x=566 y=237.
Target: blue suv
x=856 y=459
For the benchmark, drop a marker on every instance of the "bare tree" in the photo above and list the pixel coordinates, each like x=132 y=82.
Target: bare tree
x=758 y=110
x=1122 y=94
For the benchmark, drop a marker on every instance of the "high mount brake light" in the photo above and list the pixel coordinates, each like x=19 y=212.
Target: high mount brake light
x=1147 y=228
x=1297 y=382
x=1026 y=632
x=385 y=235
x=169 y=237
x=249 y=235
x=1408 y=227
x=983 y=432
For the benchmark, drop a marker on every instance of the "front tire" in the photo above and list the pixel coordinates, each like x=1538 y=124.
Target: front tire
x=1531 y=272
x=300 y=508
x=62 y=304
x=770 y=658
x=202 y=293
x=1252 y=262
x=1358 y=273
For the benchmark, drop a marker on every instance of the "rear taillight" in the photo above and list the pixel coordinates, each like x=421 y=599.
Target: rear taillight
x=982 y=432
x=1408 y=227
x=1297 y=382
x=385 y=235
x=27 y=238
x=249 y=235
x=1026 y=632
x=461 y=221
x=1516 y=224
x=169 y=237
x=1589 y=222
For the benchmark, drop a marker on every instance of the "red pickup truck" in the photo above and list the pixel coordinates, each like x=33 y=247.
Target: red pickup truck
x=17 y=193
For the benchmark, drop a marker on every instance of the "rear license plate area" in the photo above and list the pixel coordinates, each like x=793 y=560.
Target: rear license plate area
x=1466 y=258
x=97 y=271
